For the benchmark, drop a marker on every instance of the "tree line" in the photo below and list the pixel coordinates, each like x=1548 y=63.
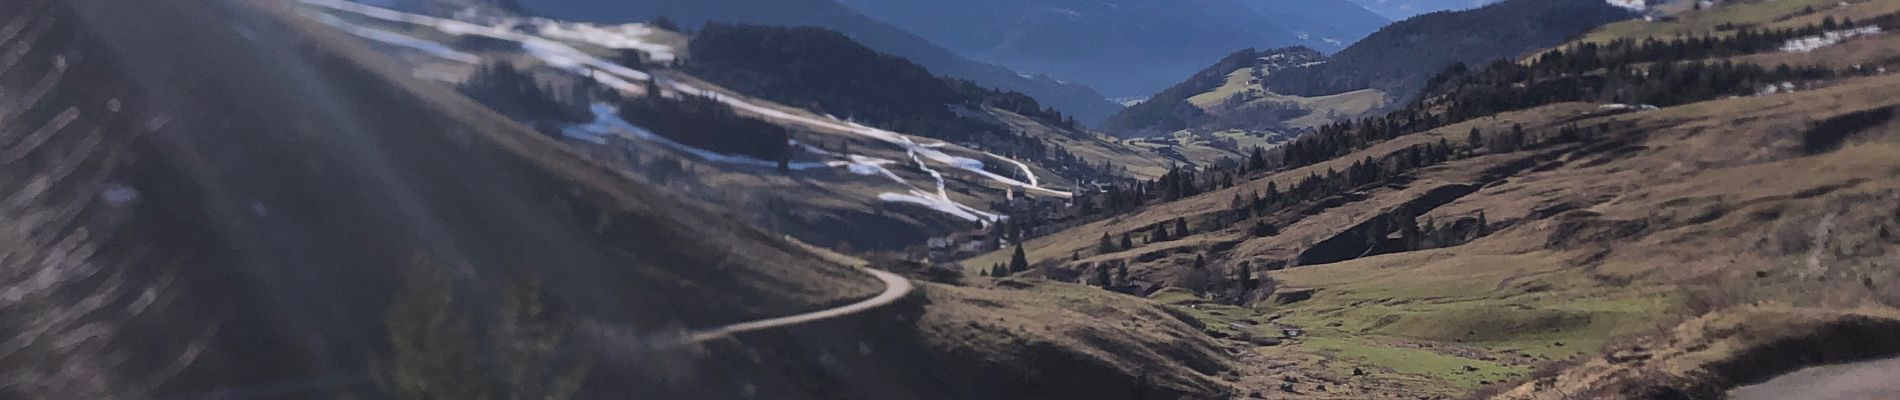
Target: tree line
x=709 y=124
x=519 y=96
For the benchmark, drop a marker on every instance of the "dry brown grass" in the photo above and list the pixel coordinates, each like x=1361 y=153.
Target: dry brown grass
x=1704 y=357
x=1671 y=213
x=1043 y=328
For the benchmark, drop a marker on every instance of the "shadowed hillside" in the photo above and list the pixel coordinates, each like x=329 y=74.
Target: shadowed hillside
x=253 y=227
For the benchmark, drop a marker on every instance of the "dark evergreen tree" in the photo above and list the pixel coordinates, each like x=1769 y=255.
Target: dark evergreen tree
x=665 y=23
x=519 y=96
x=437 y=353
x=1262 y=229
x=1246 y=278
x=1018 y=262
x=630 y=58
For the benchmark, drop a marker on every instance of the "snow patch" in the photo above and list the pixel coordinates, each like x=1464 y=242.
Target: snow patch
x=940 y=205
x=1784 y=87
x=1632 y=5
x=1637 y=107
x=629 y=36
x=117 y=194
x=607 y=123
x=399 y=40
x=1812 y=43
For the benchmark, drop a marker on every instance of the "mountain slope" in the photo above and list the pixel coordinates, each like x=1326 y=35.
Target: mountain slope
x=1402 y=9
x=1524 y=216
x=1386 y=68
x=262 y=205
x=799 y=170
x=1080 y=101
x=1340 y=20
x=1175 y=109
x=1400 y=58
x=1124 y=49
x=246 y=229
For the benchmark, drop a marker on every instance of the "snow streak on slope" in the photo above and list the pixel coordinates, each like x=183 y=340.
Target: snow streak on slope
x=399 y=40
x=1019 y=164
x=1812 y=43
x=613 y=37
x=927 y=151
x=608 y=123
x=567 y=58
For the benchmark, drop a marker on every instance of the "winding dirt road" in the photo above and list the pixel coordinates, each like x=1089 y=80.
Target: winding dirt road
x=895 y=287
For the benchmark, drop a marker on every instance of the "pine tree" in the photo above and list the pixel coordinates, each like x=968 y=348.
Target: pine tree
x=1018 y=262
x=1262 y=229
x=1101 y=277
x=1517 y=137
x=630 y=58
x=1246 y=277
x=1200 y=262
x=433 y=349
x=1180 y=227
x=526 y=338
x=1475 y=140
x=665 y=23
x=1121 y=272
x=1106 y=246
x=1409 y=233
x=436 y=353
x=1127 y=242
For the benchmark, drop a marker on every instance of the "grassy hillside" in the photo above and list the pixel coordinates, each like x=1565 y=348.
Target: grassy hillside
x=1386 y=69
x=1589 y=241
x=1726 y=17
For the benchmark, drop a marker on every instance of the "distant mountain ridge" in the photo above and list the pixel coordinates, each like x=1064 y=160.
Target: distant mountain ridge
x=1170 y=110
x=1397 y=60
x=1126 y=48
x=1401 y=57
x=1343 y=20
x=1402 y=9
x=1077 y=100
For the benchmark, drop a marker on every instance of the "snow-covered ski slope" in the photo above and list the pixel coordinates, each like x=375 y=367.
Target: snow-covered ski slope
x=548 y=46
